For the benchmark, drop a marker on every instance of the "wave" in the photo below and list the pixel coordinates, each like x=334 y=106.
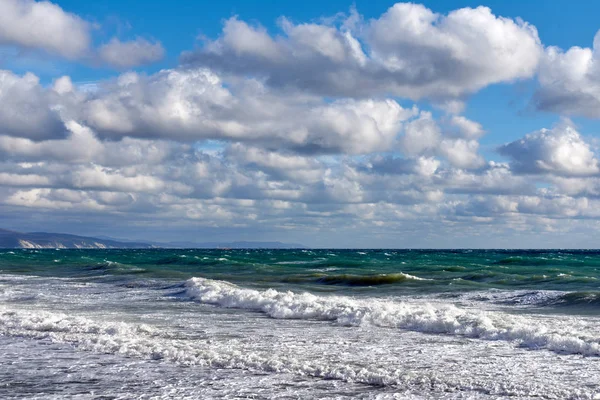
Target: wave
x=16 y=295
x=454 y=268
x=148 y=342
x=297 y=262
x=578 y=299
x=143 y=341
x=533 y=298
x=108 y=267
x=350 y=279
x=426 y=318
x=368 y=280
x=534 y=260
x=524 y=261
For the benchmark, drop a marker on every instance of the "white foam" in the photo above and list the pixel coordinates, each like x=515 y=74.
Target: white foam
x=8 y=294
x=515 y=297
x=426 y=318
x=143 y=341
x=138 y=340
x=295 y=262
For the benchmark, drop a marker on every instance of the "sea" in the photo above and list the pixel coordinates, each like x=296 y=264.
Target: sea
x=299 y=324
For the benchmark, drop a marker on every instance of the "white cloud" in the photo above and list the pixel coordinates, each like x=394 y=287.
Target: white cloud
x=294 y=132
x=423 y=166
x=43 y=25
x=466 y=128
x=196 y=104
x=409 y=51
x=455 y=54
x=82 y=146
x=461 y=153
x=281 y=158
x=497 y=179
x=427 y=166
x=140 y=181
x=421 y=135
x=63 y=85
x=25 y=108
x=279 y=166
x=97 y=177
x=191 y=105
x=558 y=151
x=8 y=179
x=570 y=81
x=130 y=53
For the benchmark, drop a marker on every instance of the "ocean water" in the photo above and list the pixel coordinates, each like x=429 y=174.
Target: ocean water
x=299 y=324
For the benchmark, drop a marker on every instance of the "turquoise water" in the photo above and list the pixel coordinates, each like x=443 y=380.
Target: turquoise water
x=299 y=324
x=394 y=272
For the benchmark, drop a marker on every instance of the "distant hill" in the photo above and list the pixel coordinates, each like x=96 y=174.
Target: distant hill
x=46 y=240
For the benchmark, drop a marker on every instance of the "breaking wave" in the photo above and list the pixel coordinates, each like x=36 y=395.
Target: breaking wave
x=426 y=318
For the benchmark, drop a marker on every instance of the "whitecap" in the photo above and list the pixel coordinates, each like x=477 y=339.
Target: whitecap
x=426 y=318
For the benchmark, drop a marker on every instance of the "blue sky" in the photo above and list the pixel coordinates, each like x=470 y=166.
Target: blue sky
x=364 y=124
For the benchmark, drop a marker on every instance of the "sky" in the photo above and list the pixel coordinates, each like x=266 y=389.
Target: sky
x=442 y=124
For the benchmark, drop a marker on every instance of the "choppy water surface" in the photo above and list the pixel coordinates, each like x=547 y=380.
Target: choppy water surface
x=299 y=324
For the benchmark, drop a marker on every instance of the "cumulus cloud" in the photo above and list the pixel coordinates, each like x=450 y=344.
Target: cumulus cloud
x=135 y=146
x=558 y=151
x=196 y=104
x=43 y=25
x=82 y=146
x=496 y=179
x=424 y=166
x=409 y=51
x=301 y=132
x=466 y=128
x=462 y=153
x=421 y=136
x=279 y=165
x=25 y=108
x=247 y=186
x=570 y=81
x=130 y=53
x=191 y=105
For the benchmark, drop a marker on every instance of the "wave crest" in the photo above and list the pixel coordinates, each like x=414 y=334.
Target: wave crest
x=368 y=280
x=426 y=318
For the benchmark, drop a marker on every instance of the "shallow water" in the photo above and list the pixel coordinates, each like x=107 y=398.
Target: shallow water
x=299 y=324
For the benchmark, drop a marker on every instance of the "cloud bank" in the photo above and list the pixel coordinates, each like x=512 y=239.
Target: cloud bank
x=409 y=51
x=305 y=132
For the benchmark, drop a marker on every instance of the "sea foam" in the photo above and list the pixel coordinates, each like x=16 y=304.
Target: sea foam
x=143 y=341
x=418 y=317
